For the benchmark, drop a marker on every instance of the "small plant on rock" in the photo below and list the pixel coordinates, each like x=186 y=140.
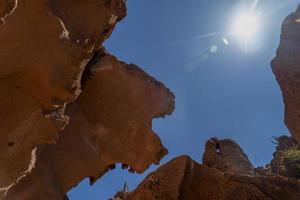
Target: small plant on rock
x=290 y=165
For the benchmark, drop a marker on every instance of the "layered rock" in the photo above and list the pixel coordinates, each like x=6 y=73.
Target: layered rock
x=286 y=67
x=182 y=178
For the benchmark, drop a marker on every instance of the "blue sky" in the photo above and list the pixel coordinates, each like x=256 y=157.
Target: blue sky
x=221 y=90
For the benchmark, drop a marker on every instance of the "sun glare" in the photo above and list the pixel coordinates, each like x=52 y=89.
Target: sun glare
x=245 y=26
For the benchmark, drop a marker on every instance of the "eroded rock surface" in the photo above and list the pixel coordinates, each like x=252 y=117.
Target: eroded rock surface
x=109 y=123
x=227 y=156
x=184 y=179
x=50 y=51
x=286 y=67
x=45 y=46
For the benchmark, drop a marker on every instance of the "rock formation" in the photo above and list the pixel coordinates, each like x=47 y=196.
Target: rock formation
x=286 y=67
x=68 y=109
x=122 y=194
x=184 y=179
x=107 y=120
x=227 y=156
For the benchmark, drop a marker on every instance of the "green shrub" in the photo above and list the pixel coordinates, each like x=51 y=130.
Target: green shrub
x=290 y=165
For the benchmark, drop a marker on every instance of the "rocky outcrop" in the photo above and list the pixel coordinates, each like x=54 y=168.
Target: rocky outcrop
x=42 y=57
x=182 y=178
x=68 y=109
x=110 y=123
x=286 y=67
x=122 y=194
x=227 y=156
x=226 y=172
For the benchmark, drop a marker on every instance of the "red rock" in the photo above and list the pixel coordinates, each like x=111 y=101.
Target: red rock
x=227 y=156
x=286 y=67
x=50 y=51
x=184 y=179
x=109 y=123
x=45 y=47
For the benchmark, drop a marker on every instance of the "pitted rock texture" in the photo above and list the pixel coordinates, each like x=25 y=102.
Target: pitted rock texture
x=286 y=67
x=227 y=156
x=50 y=51
x=110 y=123
x=45 y=47
x=185 y=179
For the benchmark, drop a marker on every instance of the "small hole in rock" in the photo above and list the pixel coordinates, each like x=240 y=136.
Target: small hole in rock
x=10 y=144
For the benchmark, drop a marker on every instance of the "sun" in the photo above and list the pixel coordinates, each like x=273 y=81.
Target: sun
x=245 y=26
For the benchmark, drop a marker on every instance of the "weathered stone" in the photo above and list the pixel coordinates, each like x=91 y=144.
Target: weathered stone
x=183 y=178
x=41 y=66
x=227 y=156
x=286 y=67
x=110 y=123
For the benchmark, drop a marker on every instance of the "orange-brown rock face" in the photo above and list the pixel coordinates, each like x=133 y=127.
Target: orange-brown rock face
x=286 y=67
x=109 y=123
x=89 y=22
x=185 y=179
x=227 y=156
x=48 y=49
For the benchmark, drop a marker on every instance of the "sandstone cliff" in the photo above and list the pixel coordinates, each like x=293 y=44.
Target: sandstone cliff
x=184 y=179
x=67 y=107
x=70 y=110
x=227 y=156
x=286 y=67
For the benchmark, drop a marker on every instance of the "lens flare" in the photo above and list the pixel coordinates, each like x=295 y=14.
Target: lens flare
x=245 y=26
